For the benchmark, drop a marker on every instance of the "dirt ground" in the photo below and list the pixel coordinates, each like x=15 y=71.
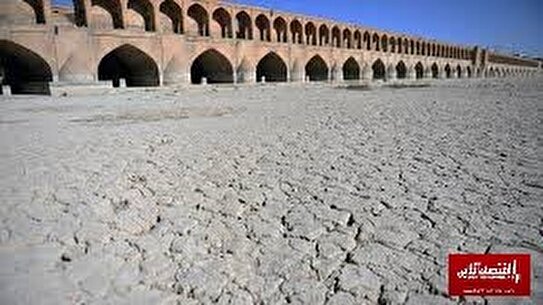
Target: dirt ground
x=275 y=194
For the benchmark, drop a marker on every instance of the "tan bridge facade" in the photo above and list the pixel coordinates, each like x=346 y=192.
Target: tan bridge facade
x=173 y=42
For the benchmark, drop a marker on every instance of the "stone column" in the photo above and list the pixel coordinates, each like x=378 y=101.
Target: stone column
x=391 y=73
x=6 y=90
x=411 y=73
x=367 y=73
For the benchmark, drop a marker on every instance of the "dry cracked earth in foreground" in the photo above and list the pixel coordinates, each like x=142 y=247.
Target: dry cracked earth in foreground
x=268 y=194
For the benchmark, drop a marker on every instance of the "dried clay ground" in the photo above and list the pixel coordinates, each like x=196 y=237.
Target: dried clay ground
x=267 y=194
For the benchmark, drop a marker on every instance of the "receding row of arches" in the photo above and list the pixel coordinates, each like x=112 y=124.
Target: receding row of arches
x=26 y=72
x=239 y=24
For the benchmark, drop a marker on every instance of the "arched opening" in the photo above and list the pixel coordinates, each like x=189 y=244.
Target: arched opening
x=263 y=25
x=384 y=43
x=296 y=30
x=367 y=41
x=37 y=7
x=131 y=64
x=280 y=26
x=311 y=34
x=145 y=9
x=336 y=37
x=272 y=67
x=172 y=17
x=376 y=42
x=223 y=19
x=357 y=39
x=100 y=11
x=23 y=70
x=351 y=69
x=200 y=17
x=80 y=14
x=448 y=71
x=401 y=70
x=412 y=47
x=244 y=28
x=435 y=71
x=468 y=70
x=458 y=71
x=212 y=65
x=378 y=68
x=324 y=35
x=347 y=39
x=406 y=46
x=423 y=48
x=392 y=42
x=316 y=69
x=419 y=70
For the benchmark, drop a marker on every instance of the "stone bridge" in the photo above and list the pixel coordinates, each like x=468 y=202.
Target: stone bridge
x=173 y=42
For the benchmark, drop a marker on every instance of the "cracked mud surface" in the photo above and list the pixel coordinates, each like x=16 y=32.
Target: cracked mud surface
x=267 y=195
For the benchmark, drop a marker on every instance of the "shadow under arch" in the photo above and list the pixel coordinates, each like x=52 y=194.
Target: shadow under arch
x=272 y=67
x=212 y=65
x=351 y=69
x=23 y=70
x=316 y=69
x=379 y=71
x=129 y=63
x=401 y=70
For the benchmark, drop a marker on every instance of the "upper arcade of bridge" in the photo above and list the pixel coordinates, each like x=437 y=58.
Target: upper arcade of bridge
x=227 y=20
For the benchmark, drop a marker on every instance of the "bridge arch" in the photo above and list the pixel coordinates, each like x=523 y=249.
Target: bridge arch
x=357 y=40
x=263 y=24
x=376 y=42
x=347 y=38
x=448 y=72
x=351 y=69
x=280 y=27
x=297 y=31
x=316 y=69
x=311 y=34
x=272 y=67
x=244 y=28
x=129 y=63
x=36 y=6
x=419 y=70
x=458 y=71
x=435 y=71
x=367 y=40
x=223 y=19
x=24 y=71
x=106 y=14
x=384 y=43
x=324 y=35
x=401 y=70
x=143 y=9
x=212 y=65
x=379 y=70
x=199 y=15
x=336 y=37
x=171 y=17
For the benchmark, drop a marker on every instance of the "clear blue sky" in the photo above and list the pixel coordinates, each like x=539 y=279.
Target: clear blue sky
x=506 y=25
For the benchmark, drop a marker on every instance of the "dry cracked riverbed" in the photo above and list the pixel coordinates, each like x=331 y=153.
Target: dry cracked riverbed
x=267 y=195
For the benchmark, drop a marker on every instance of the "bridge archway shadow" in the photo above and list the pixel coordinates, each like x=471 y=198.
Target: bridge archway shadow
x=419 y=70
x=316 y=69
x=401 y=70
x=351 y=69
x=212 y=65
x=23 y=70
x=131 y=64
x=272 y=67
x=435 y=71
x=378 y=68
